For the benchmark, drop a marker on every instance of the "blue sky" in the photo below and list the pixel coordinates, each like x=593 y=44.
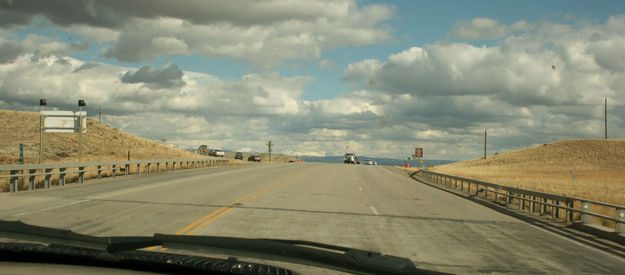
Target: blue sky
x=325 y=76
x=415 y=23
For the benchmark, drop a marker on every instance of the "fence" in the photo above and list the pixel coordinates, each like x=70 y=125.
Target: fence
x=529 y=200
x=63 y=169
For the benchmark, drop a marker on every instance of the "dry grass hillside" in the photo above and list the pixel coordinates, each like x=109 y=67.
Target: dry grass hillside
x=100 y=143
x=587 y=168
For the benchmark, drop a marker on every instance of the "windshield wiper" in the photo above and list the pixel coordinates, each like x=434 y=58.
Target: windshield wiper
x=27 y=232
x=302 y=252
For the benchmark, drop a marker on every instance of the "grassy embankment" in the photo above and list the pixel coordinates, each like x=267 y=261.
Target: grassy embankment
x=100 y=143
x=587 y=168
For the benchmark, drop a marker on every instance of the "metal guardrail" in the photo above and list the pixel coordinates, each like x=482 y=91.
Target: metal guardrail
x=528 y=199
x=63 y=169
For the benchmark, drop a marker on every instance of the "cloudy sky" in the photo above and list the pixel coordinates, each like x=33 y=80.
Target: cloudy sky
x=324 y=77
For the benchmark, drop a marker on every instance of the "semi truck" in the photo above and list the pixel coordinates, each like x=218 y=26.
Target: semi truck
x=350 y=158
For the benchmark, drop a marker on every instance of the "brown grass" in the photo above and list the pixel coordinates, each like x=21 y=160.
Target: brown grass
x=100 y=143
x=587 y=168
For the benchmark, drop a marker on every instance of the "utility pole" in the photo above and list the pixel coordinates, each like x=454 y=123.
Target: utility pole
x=605 y=118
x=100 y=114
x=269 y=146
x=484 y=143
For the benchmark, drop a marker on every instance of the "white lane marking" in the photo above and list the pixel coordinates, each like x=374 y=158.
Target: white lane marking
x=359 y=188
x=373 y=209
x=53 y=207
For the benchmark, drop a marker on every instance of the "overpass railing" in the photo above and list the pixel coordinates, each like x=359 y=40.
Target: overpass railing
x=534 y=202
x=43 y=174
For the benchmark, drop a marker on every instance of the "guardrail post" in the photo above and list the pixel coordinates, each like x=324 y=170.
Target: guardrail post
x=469 y=188
x=173 y=167
x=138 y=169
x=522 y=202
x=532 y=204
x=181 y=165
x=557 y=215
x=127 y=171
x=113 y=172
x=99 y=172
x=148 y=168
x=81 y=174
x=542 y=207
x=47 y=177
x=31 y=179
x=507 y=197
x=62 y=176
x=13 y=181
x=569 y=213
x=587 y=219
x=554 y=210
x=158 y=167
x=620 y=226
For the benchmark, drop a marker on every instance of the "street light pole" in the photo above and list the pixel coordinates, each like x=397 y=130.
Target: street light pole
x=81 y=103
x=42 y=102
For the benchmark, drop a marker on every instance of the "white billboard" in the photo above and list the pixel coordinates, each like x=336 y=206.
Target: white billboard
x=64 y=121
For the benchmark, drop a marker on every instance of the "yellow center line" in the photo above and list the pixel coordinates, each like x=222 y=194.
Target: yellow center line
x=209 y=221
x=204 y=221
x=222 y=211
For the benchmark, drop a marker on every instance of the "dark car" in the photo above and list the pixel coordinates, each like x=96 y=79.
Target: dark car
x=238 y=155
x=253 y=158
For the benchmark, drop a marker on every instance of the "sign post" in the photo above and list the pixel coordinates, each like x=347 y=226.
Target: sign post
x=62 y=122
x=418 y=152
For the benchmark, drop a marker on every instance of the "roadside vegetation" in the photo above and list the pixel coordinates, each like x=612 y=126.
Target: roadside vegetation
x=100 y=143
x=586 y=168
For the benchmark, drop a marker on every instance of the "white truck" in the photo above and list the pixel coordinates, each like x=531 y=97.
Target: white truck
x=350 y=158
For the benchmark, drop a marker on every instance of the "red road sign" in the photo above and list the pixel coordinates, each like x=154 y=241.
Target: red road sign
x=418 y=152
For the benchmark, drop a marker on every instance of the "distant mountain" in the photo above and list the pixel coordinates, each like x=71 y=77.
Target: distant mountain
x=381 y=161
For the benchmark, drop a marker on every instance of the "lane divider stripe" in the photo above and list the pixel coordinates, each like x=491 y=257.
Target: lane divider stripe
x=189 y=229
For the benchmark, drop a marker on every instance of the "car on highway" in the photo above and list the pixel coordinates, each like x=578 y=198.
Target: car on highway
x=368 y=162
x=255 y=158
x=216 y=153
x=374 y=162
x=238 y=155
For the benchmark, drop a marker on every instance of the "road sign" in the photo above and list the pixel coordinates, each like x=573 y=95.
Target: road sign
x=64 y=121
x=418 y=152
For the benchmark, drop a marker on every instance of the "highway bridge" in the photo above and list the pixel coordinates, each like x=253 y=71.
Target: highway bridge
x=367 y=207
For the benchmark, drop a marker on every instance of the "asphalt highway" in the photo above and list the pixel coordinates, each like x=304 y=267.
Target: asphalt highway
x=365 y=207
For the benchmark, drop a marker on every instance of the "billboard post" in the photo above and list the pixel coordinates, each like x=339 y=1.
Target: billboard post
x=62 y=122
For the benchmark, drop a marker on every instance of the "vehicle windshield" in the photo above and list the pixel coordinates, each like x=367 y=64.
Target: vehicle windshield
x=465 y=137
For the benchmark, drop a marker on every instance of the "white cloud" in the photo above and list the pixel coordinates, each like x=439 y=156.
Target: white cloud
x=540 y=83
x=535 y=85
x=486 y=28
x=327 y=64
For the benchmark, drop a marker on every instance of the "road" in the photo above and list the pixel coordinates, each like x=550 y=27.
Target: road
x=366 y=207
